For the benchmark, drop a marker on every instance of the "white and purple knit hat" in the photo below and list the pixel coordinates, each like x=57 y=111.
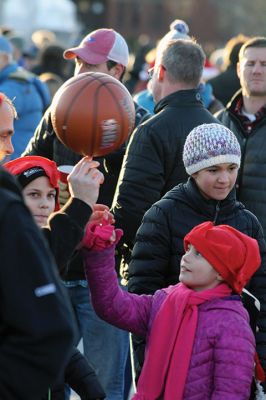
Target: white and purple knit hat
x=208 y=145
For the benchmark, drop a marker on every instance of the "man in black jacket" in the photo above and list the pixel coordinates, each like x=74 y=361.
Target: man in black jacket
x=245 y=115
x=153 y=161
x=37 y=328
x=105 y=346
x=227 y=82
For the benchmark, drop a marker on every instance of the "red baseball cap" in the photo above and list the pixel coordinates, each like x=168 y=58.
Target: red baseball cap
x=100 y=46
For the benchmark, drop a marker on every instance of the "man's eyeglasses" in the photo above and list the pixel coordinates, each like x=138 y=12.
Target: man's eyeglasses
x=151 y=72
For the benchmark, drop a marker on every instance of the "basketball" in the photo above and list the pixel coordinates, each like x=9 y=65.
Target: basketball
x=93 y=114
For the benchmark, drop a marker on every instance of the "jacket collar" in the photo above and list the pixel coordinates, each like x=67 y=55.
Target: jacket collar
x=213 y=209
x=189 y=193
x=183 y=98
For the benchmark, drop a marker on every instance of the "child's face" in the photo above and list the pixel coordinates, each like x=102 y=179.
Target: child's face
x=196 y=272
x=216 y=182
x=39 y=196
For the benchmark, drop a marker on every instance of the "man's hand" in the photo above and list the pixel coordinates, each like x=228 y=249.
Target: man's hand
x=84 y=181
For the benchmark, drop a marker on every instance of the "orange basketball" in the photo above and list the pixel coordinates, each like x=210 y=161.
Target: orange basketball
x=93 y=114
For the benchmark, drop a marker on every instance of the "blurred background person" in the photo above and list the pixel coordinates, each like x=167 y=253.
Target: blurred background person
x=31 y=96
x=51 y=60
x=53 y=81
x=226 y=83
x=178 y=30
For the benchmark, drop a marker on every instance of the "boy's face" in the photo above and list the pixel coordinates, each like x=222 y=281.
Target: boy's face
x=217 y=181
x=39 y=196
x=81 y=66
x=196 y=272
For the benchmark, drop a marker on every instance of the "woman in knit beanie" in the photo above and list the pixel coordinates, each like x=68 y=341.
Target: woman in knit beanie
x=212 y=158
x=199 y=341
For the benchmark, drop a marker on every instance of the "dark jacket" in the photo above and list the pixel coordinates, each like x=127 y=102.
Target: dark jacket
x=65 y=230
x=153 y=162
x=159 y=242
x=251 y=184
x=36 y=322
x=81 y=377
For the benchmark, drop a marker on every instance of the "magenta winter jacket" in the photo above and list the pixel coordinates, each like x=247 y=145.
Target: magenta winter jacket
x=222 y=361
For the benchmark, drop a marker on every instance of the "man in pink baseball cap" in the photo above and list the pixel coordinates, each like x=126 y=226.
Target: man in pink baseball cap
x=103 y=50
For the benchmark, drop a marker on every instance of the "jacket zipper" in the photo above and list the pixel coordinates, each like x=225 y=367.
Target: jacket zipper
x=217 y=210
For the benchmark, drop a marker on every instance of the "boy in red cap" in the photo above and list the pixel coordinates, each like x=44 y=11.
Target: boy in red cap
x=38 y=178
x=199 y=341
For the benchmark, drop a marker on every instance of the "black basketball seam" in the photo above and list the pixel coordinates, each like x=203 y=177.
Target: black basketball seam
x=95 y=115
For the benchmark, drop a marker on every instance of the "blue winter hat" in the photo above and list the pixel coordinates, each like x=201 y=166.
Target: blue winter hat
x=5 y=45
x=208 y=145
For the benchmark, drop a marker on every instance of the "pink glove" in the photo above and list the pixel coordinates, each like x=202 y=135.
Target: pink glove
x=99 y=237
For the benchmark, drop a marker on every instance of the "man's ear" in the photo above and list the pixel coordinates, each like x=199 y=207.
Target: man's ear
x=238 y=69
x=161 y=72
x=117 y=71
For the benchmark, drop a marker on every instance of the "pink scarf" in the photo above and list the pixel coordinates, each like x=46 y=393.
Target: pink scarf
x=171 y=342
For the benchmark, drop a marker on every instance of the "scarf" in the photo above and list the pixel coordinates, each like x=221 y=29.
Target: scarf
x=171 y=342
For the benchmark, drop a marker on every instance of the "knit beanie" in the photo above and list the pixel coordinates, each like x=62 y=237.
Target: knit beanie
x=233 y=254
x=30 y=175
x=178 y=30
x=208 y=145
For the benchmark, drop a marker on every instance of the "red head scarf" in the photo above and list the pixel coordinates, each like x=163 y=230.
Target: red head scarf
x=35 y=166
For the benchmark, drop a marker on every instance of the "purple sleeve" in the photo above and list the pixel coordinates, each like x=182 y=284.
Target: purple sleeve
x=233 y=361
x=118 y=307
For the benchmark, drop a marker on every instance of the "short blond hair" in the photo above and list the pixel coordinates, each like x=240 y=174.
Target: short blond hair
x=4 y=98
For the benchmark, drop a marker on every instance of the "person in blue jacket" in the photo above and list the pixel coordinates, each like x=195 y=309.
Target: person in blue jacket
x=30 y=95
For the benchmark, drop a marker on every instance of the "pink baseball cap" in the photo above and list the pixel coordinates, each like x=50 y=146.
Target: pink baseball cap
x=100 y=46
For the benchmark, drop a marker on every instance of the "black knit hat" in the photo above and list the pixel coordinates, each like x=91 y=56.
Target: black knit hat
x=29 y=175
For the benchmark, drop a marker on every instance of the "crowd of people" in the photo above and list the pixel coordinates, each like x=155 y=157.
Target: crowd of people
x=154 y=255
